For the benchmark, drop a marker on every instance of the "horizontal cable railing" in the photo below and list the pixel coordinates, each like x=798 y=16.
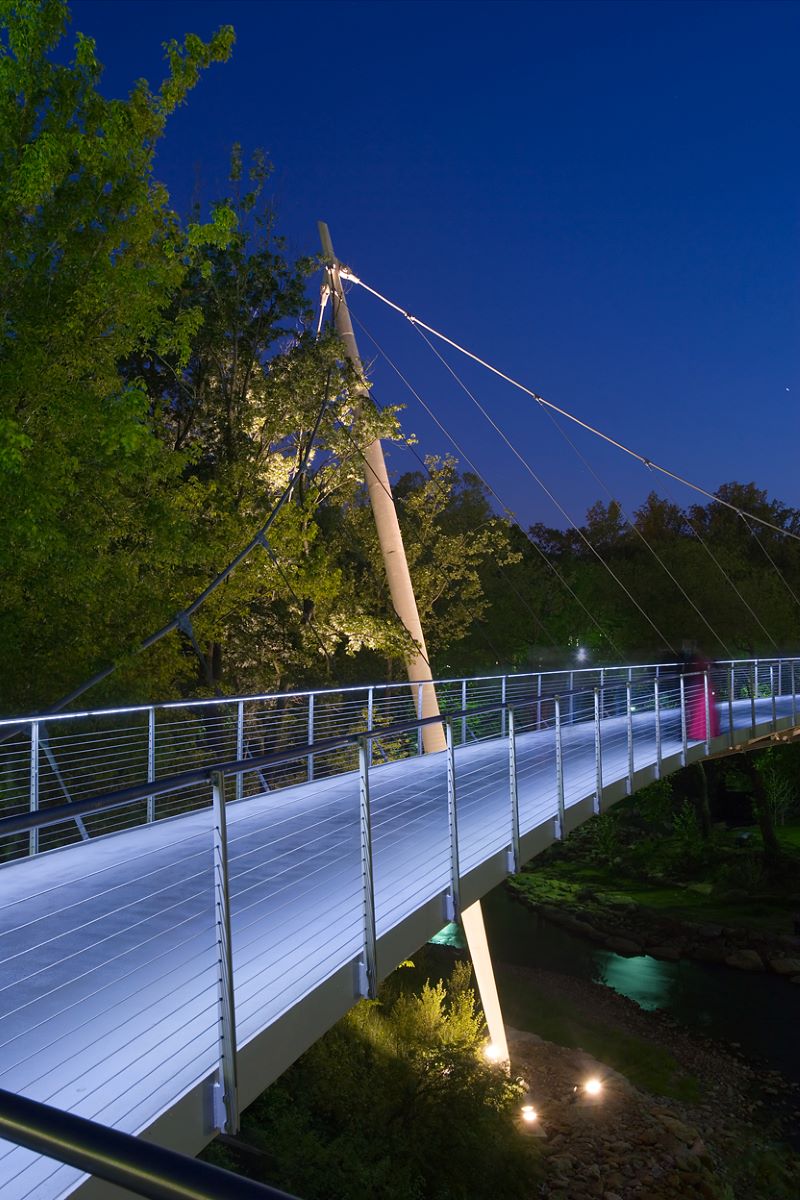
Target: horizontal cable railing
x=46 y=762
x=182 y=940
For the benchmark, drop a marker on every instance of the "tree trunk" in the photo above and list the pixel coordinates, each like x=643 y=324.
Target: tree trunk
x=772 y=849
x=701 y=804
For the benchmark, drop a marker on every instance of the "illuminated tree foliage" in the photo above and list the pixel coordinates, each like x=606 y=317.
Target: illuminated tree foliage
x=395 y=1103
x=94 y=514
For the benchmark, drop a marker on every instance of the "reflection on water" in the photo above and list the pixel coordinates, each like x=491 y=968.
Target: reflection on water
x=643 y=978
x=759 y=1011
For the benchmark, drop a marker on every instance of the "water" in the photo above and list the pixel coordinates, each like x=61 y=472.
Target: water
x=759 y=1011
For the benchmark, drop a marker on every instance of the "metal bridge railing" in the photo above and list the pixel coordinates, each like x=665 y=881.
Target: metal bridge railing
x=119 y=1158
x=137 y=956
x=45 y=762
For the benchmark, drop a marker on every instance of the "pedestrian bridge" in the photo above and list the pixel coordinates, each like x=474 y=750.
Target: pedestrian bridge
x=191 y=894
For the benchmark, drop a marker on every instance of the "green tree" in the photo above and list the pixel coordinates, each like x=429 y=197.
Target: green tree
x=96 y=516
x=396 y=1103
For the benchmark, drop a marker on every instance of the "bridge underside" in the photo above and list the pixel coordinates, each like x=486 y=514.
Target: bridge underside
x=109 y=997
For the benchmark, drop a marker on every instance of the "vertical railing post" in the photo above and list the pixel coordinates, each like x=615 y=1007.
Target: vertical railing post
x=419 y=717
x=598 y=754
x=151 y=760
x=539 y=703
x=370 y=709
x=629 y=717
x=753 y=690
x=33 y=834
x=707 y=705
x=463 y=712
x=572 y=697
x=503 y=690
x=794 y=695
x=755 y=676
x=602 y=692
x=454 y=905
x=657 y=714
x=772 y=694
x=731 y=690
x=227 y=1012
x=310 y=757
x=684 y=735
x=514 y=856
x=560 y=819
x=239 y=747
x=368 y=966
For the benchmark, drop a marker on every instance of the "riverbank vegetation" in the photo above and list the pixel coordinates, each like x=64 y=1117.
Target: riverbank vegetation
x=396 y=1102
x=684 y=869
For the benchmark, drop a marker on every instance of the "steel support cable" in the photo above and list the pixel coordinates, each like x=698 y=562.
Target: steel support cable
x=394 y=501
x=549 y=494
x=643 y=459
x=638 y=532
x=729 y=580
x=436 y=483
x=771 y=560
x=492 y=492
x=181 y=618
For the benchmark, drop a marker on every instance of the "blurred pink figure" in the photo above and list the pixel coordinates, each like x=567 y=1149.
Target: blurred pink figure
x=696 y=701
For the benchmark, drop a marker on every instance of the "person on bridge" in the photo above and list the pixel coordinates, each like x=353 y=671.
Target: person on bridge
x=695 y=668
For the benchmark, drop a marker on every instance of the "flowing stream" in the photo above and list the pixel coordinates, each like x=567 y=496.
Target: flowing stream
x=758 y=1011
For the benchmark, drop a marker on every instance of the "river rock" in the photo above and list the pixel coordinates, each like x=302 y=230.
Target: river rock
x=667 y=953
x=745 y=960
x=713 y=952
x=624 y=946
x=785 y=966
x=684 y=1133
x=709 y=932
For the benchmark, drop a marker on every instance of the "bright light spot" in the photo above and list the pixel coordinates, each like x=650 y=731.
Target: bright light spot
x=593 y=1087
x=529 y=1113
x=582 y=654
x=492 y=1053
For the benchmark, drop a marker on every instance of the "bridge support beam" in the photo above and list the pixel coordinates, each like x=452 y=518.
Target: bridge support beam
x=477 y=942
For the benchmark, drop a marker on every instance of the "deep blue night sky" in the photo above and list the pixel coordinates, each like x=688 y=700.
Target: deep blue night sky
x=601 y=198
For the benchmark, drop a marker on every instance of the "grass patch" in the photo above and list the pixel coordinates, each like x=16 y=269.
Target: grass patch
x=561 y=881
x=646 y=1065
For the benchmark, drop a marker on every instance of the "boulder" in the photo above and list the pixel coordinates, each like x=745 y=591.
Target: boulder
x=785 y=966
x=624 y=946
x=714 y=952
x=666 y=953
x=684 y=1133
x=745 y=960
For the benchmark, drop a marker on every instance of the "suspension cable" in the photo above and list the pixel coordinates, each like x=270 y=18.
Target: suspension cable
x=552 y=567
x=258 y=539
x=551 y=497
x=643 y=459
x=771 y=560
x=717 y=637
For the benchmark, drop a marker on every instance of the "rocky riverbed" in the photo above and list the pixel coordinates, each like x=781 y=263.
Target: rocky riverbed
x=630 y=1145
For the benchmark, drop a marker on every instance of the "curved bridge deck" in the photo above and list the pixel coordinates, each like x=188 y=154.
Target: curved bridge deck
x=109 y=992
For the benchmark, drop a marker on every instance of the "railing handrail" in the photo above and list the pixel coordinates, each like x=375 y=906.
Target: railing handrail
x=106 y=801
x=211 y=701
x=121 y=797
x=120 y=1158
